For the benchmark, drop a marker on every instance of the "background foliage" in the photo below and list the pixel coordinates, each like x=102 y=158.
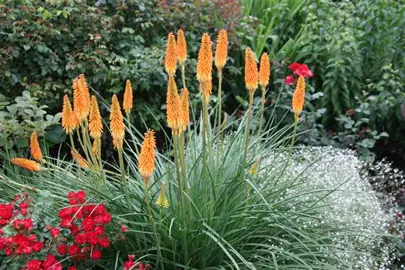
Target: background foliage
x=354 y=48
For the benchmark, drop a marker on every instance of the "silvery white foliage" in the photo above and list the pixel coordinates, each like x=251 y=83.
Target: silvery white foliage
x=335 y=184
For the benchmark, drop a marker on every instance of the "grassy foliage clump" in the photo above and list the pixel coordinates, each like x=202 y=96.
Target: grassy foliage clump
x=212 y=200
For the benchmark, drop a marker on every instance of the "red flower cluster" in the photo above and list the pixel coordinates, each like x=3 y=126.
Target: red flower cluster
x=50 y=263
x=22 y=242
x=86 y=224
x=299 y=70
x=131 y=264
x=6 y=213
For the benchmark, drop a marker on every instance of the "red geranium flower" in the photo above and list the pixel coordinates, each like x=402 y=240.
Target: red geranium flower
x=88 y=224
x=107 y=218
x=95 y=254
x=62 y=249
x=74 y=229
x=104 y=242
x=73 y=249
x=290 y=80
x=80 y=239
x=65 y=223
x=99 y=230
x=37 y=246
x=34 y=265
x=55 y=232
x=92 y=238
x=301 y=70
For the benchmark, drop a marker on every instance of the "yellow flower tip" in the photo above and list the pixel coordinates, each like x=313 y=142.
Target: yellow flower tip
x=255 y=167
x=97 y=146
x=251 y=74
x=69 y=118
x=79 y=159
x=174 y=112
x=27 y=164
x=95 y=122
x=204 y=64
x=221 y=52
x=81 y=98
x=128 y=97
x=34 y=147
x=298 y=97
x=264 y=72
x=185 y=107
x=181 y=47
x=206 y=90
x=147 y=156
x=162 y=200
x=117 y=126
x=171 y=55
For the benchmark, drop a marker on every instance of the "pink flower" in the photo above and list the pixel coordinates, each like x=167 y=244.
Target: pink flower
x=124 y=229
x=290 y=80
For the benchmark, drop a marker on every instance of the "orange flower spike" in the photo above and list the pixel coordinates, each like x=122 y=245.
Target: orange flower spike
x=174 y=111
x=81 y=97
x=69 y=119
x=264 y=72
x=34 y=147
x=206 y=90
x=298 y=97
x=95 y=122
x=117 y=126
x=251 y=74
x=221 y=52
x=204 y=64
x=127 y=104
x=79 y=159
x=147 y=156
x=27 y=164
x=171 y=55
x=185 y=107
x=181 y=47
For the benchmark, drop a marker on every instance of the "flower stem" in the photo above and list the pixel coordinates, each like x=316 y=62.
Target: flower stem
x=263 y=100
x=147 y=199
x=183 y=74
x=247 y=134
x=219 y=129
x=123 y=179
x=181 y=201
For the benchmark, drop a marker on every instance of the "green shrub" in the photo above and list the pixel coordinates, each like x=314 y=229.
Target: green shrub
x=20 y=118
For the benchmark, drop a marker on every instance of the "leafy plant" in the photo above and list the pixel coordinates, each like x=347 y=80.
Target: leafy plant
x=19 y=119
